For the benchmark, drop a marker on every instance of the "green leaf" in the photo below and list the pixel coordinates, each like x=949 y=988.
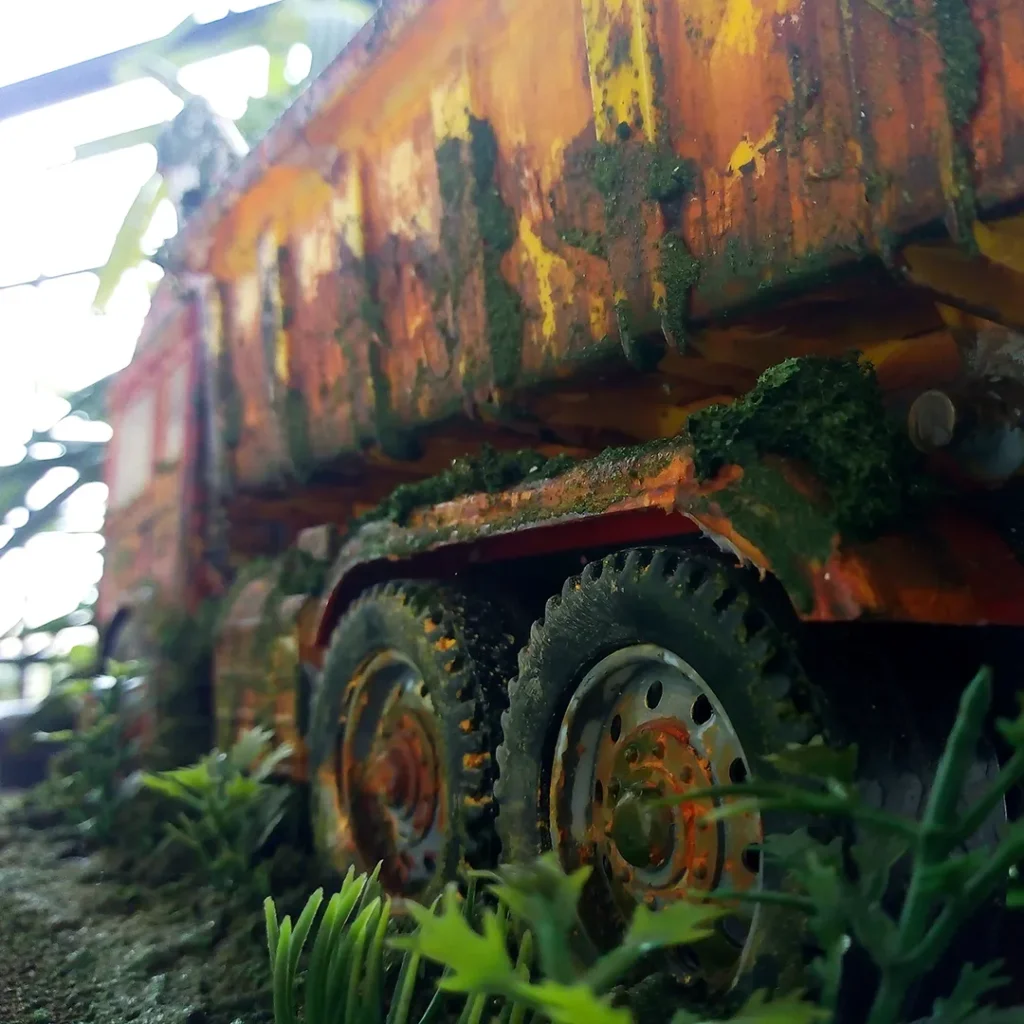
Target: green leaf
x=1012 y=729
x=284 y=1010
x=478 y=961
x=875 y=860
x=816 y=760
x=126 y=251
x=543 y=896
x=374 y=990
x=365 y=925
x=677 y=924
x=302 y=926
x=971 y=987
x=573 y=1004
x=789 y=1009
x=273 y=929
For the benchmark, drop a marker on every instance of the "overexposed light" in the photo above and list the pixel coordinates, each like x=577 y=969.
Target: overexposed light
x=43 y=451
x=6 y=533
x=298 y=63
x=48 y=34
x=52 y=485
x=84 y=510
x=206 y=11
x=17 y=517
x=249 y=5
x=36 y=643
x=164 y=225
x=76 y=428
x=49 y=409
x=48 y=136
x=76 y=231
x=11 y=453
x=228 y=80
x=10 y=648
x=75 y=636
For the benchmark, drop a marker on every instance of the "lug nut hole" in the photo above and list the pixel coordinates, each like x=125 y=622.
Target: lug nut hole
x=702 y=710
x=737 y=771
x=616 y=728
x=654 y=692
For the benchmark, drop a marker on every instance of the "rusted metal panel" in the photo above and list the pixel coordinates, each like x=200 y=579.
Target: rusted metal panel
x=477 y=198
x=259 y=655
x=945 y=570
x=149 y=530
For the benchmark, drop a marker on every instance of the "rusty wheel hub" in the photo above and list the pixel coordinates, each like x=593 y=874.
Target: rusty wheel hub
x=643 y=726
x=392 y=779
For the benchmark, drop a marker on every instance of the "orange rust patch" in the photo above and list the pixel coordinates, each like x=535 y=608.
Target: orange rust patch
x=475 y=760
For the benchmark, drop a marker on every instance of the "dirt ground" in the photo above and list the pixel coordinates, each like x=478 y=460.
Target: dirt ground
x=80 y=945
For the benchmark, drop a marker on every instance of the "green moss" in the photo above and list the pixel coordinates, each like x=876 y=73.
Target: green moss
x=668 y=175
x=488 y=472
x=626 y=174
x=679 y=273
x=829 y=414
x=589 y=241
x=960 y=41
x=295 y=415
x=496 y=227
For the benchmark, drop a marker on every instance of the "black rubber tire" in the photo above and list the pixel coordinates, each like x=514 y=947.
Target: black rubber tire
x=708 y=613
x=464 y=647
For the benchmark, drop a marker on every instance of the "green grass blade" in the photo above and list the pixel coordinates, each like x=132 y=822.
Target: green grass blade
x=405 y=988
x=283 y=1009
x=273 y=930
x=514 y=1012
x=316 y=976
x=367 y=921
x=374 y=992
x=302 y=926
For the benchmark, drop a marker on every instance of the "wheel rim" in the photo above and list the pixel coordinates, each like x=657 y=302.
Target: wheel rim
x=643 y=725
x=390 y=770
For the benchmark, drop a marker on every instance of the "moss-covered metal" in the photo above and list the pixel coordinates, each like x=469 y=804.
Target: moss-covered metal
x=488 y=472
x=829 y=414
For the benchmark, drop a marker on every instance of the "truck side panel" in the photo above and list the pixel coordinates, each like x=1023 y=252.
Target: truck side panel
x=501 y=193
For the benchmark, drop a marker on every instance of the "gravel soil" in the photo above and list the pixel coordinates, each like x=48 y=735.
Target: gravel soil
x=81 y=945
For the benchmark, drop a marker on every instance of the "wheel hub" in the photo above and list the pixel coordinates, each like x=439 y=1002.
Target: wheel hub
x=392 y=779
x=642 y=732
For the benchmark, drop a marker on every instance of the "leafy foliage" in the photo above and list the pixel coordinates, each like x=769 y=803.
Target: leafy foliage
x=90 y=778
x=841 y=891
x=231 y=808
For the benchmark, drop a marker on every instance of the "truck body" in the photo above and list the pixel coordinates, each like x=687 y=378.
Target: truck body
x=572 y=227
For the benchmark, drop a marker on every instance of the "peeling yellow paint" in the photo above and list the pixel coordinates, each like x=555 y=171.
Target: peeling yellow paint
x=247 y=302
x=741 y=21
x=347 y=214
x=544 y=264
x=621 y=79
x=747 y=152
x=412 y=212
x=450 y=104
x=315 y=257
x=739 y=26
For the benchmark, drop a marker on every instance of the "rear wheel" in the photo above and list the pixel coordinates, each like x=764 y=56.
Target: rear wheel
x=403 y=729
x=653 y=673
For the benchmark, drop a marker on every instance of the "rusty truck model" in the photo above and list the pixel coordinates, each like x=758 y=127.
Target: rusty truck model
x=575 y=390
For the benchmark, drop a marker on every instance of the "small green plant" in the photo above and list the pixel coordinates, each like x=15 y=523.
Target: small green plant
x=841 y=891
x=347 y=978
x=231 y=808
x=88 y=781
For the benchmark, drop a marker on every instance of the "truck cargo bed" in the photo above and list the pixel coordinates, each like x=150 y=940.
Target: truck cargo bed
x=479 y=197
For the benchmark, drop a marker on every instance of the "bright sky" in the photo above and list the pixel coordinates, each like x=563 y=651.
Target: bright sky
x=58 y=217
